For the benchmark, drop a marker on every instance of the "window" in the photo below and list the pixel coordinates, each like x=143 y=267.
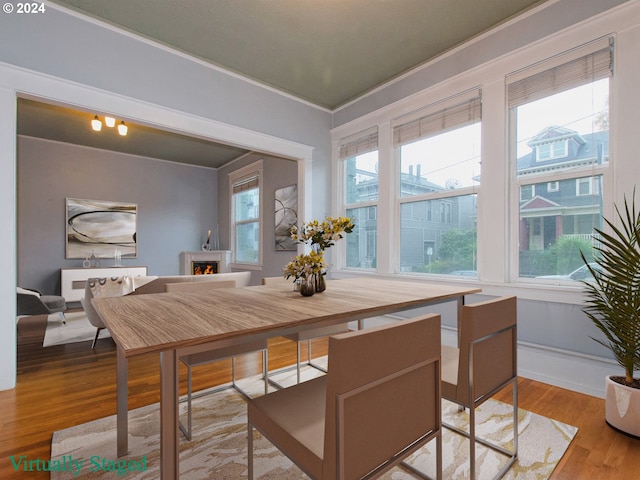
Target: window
x=246 y=214
x=559 y=119
x=359 y=157
x=527 y=192
x=438 y=158
x=549 y=151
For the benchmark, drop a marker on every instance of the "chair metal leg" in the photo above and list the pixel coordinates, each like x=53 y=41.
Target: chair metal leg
x=95 y=339
x=298 y=364
x=250 y=451
x=310 y=360
x=265 y=370
x=471 y=435
x=186 y=431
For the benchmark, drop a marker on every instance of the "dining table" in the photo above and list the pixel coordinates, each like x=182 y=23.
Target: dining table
x=178 y=324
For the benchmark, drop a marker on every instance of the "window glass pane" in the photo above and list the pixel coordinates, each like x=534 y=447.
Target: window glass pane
x=361 y=243
x=246 y=204
x=446 y=161
x=362 y=178
x=556 y=226
x=439 y=236
x=566 y=130
x=247 y=238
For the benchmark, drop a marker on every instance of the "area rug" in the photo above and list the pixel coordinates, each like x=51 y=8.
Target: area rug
x=77 y=329
x=219 y=446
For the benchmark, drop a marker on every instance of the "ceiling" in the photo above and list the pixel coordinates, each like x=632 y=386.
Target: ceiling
x=63 y=124
x=326 y=52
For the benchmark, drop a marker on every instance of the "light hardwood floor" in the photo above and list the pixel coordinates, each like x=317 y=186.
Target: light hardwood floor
x=61 y=386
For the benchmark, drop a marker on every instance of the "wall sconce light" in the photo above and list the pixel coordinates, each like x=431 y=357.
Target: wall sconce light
x=96 y=124
x=122 y=129
x=110 y=122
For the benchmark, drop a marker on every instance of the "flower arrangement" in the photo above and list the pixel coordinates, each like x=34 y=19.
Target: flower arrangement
x=305 y=265
x=319 y=236
x=322 y=235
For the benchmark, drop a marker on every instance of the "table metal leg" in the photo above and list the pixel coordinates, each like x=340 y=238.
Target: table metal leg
x=122 y=421
x=169 y=455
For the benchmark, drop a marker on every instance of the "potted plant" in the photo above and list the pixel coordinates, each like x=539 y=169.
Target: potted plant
x=613 y=305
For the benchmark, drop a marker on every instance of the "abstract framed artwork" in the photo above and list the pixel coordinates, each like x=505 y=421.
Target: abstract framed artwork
x=286 y=216
x=100 y=228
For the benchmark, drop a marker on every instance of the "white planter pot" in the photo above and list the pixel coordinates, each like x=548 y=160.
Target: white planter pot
x=622 y=405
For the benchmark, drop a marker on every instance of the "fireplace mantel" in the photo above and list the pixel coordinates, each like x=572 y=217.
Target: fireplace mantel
x=221 y=257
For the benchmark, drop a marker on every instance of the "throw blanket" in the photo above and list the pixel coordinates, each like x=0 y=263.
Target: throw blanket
x=111 y=287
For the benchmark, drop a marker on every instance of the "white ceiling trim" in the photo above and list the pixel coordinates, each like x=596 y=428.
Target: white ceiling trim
x=36 y=85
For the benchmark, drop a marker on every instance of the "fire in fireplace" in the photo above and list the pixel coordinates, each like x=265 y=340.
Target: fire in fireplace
x=204 y=268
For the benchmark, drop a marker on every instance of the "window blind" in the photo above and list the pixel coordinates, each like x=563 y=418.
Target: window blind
x=362 y=142
x=449 y=118
x=246 y=184
x=579 y=71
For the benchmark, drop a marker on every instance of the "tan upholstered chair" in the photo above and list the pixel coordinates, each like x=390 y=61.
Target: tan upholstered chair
x=305 y=336
x=378 y=403
x=209 y=356
x=485 y=363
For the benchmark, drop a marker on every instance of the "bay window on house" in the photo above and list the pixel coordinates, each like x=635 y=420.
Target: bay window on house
x=437 y=154
x=246 y=214
x=359 y=157
x=559 y=127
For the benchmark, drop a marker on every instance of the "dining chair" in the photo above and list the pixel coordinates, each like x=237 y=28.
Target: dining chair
x=103 y=287
x=304 y=336
x=484 y=364
x=378 y=403
x=208 y=356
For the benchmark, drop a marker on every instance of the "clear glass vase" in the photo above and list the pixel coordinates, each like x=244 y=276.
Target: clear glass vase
x=321 y=284
x=308 y=286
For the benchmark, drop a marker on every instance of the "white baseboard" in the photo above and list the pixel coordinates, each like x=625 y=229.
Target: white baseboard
x=561 y=368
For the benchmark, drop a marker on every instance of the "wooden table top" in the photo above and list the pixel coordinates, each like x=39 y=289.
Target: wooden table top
x=157 y=322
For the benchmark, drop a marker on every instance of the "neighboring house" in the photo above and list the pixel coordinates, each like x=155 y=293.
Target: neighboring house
x=553 y=209
x=424 y=223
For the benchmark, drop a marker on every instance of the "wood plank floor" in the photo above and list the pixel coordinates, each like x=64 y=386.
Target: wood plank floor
x=66 y=385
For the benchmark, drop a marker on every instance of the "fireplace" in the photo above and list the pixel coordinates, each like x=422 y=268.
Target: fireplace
x=204 y=263
x=199 y=267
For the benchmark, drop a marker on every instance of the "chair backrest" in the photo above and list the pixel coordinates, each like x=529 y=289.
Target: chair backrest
x=198 y=287
x=383 y=394
x=85 y=301
x=488 y=348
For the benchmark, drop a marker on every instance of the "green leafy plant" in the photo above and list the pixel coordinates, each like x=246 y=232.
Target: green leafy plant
x=613 y=296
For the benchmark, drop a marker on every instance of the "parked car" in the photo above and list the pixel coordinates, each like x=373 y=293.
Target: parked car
x=581 y=273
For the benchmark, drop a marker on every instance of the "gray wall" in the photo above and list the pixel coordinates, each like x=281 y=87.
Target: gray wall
x=69 y=47
x=177 y=204
x=277 y=173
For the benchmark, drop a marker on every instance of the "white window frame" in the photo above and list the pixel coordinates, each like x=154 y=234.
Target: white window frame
x=442 y=210
x=349 y=147
x=575 y=173
x=497 y=240
x=235 y=177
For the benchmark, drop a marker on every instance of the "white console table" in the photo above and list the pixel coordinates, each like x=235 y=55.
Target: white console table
x=72 y=280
